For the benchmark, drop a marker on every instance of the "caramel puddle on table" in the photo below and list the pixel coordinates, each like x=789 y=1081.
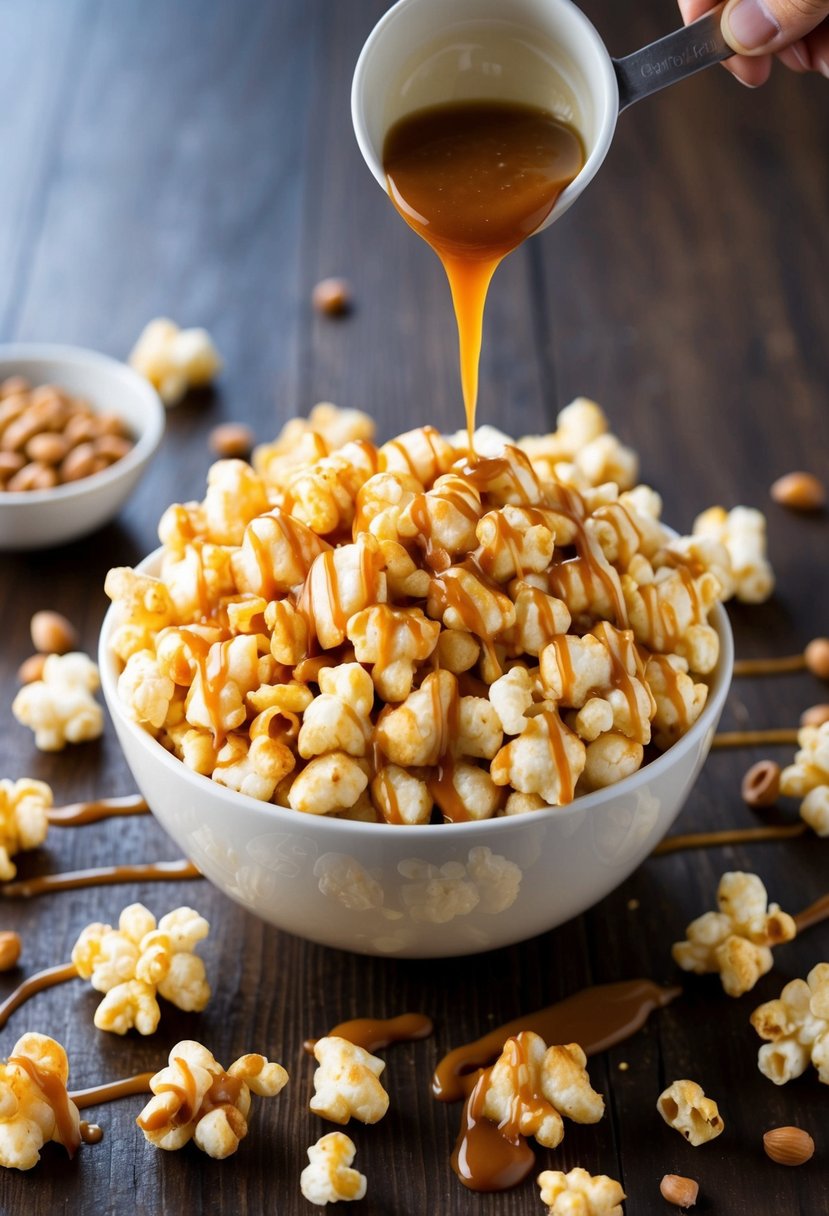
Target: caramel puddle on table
x=373 y=1034
x=104 y=876
x=475 y=179
x=78 y=814
x=91 y=1133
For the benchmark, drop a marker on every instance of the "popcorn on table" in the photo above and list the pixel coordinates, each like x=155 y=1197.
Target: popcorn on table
x=807 y=777
x=329 y=1178
x=60 y=707
x=736 y=941
x=175 y=360
x=195 y=1099
x=387 y=634
x=24 y=822
x=742 y=532
x=796 y=1029
x=684 y=1106
x=34 y=1105
x=141 y=960
x=530 y=1086
x=346 y=1083
x=578 y=1193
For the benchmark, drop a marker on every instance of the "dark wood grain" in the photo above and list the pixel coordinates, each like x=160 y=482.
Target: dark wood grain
x=196 y=159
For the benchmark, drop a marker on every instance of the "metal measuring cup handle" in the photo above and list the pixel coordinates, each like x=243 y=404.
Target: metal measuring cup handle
x=671 y=58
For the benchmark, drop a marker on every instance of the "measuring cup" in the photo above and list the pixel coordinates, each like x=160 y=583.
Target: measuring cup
x=543 y=53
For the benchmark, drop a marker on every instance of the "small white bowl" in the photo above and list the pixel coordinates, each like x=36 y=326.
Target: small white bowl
x=33 y=519
x=415 y=892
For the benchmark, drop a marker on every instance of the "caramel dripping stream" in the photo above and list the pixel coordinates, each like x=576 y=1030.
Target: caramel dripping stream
x=103 y=876
x=78 y=814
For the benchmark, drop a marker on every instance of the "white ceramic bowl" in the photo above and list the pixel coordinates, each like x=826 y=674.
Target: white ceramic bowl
x=36 y=518
x=415 y=892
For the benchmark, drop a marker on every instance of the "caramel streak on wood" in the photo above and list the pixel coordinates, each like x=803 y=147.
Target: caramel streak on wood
x=710 y=840
x=105 y=876
x=769 y=667
x=77 y=814
x=112 y=1090
x=813 y=915
x=34 y=984
x=755 y=738
x=373 y=1034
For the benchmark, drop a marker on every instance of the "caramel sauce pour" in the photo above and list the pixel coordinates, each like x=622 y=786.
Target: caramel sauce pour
x=373 y=1034
x=104 y=876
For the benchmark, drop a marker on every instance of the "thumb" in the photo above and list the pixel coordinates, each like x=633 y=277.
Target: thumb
x=755 y=27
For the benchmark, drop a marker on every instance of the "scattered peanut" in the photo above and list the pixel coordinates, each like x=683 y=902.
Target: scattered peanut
x=815 y=715
x=231 y=439
x=761 y=784
x=53 y=633
x=681 y=1192
x=9 y=949
x=788 y=1145
x=332 y=297
x=33 y=476
x=816 y=655
x=800 y=491
x=31 y=669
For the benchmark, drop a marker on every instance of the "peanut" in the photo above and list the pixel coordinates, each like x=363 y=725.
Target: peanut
x=33 y=476
x=10 y=462
x=111 y=447
x=78 y=463
x=231 y=439
x=815 y=715
x=788 y=1145
x=332 y=297
x=761 y=784
x=53 y=633
x=682 y=1192
x=47 y=447
x=816 y=655
x=9 y=949
x=80 y=429
x=799 y=491
x=13 y=385
x=31 y=669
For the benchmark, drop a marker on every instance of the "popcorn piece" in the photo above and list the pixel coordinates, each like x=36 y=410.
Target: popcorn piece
x=669 y=615
x=394 y=641
x=444 y=519
x=807 y=777
x=736 y=940
x=814 y=810
x=796 y=1029
x=143 y=606
x=514 y=541
x=679 y=701
x=253 y=766
x=346 y=1083
x=382 y=500
x=145 y=689
x=424 y=453
x=34 y=1105
x=462 y=601
x=195 y=1099
x=235 y=496
x=578 y=1193
x=175 y=360
x=24 y=821
x=60 y=708
x=328 y=783
x=322 y=495
x=684 y=1106
x=608 y=759
x=341 y=583
x=545 y=759
x=400 y=797
x=338 y=720
x=139 y=959
x=743 y=533
x=328 y=1178
x=223 y=678
x=512 y=695
x=530 y=1087
x=277 y=553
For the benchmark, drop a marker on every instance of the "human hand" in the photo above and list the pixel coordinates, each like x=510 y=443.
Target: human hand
x=796 y=31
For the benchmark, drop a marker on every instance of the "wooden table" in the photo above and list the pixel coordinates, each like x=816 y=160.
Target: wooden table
x=196 y=160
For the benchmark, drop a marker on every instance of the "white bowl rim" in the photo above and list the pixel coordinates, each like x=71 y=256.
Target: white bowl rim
x=289 y=818
x=81 y=356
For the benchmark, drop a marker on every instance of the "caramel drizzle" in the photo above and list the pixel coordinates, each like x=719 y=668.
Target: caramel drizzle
x=91 y=1133
x=784 y=736
x=769 y=667
x=813 y=915
x=597 y=1018
x=34 y=984
x=707 y=840
x=73 y=880
x=373 y=1034
x=54 y=1094
x=591 y=560
x=78 y=814
x=556 y=731
x=96 y=1095
x=488 y=1156
x=224 y=1091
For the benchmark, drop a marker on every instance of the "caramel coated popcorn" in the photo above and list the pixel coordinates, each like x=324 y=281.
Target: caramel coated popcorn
x=796 y=1029
x=329 y=1178
x=579 y=1193
x=141 y=960
x=346 y=1083
x=175 y=360
x=403 y=635
x=60 y=707
x=684 y=1106
x=531 y=1086
x=24 y=822
x=34 y=1105
x=195 y=1099
x=736 y=940
x=807 y=777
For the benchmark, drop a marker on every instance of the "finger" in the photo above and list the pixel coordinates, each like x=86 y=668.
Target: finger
x=754 y=27
x=752 y=72
x=817 y=49
x=795 y=57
